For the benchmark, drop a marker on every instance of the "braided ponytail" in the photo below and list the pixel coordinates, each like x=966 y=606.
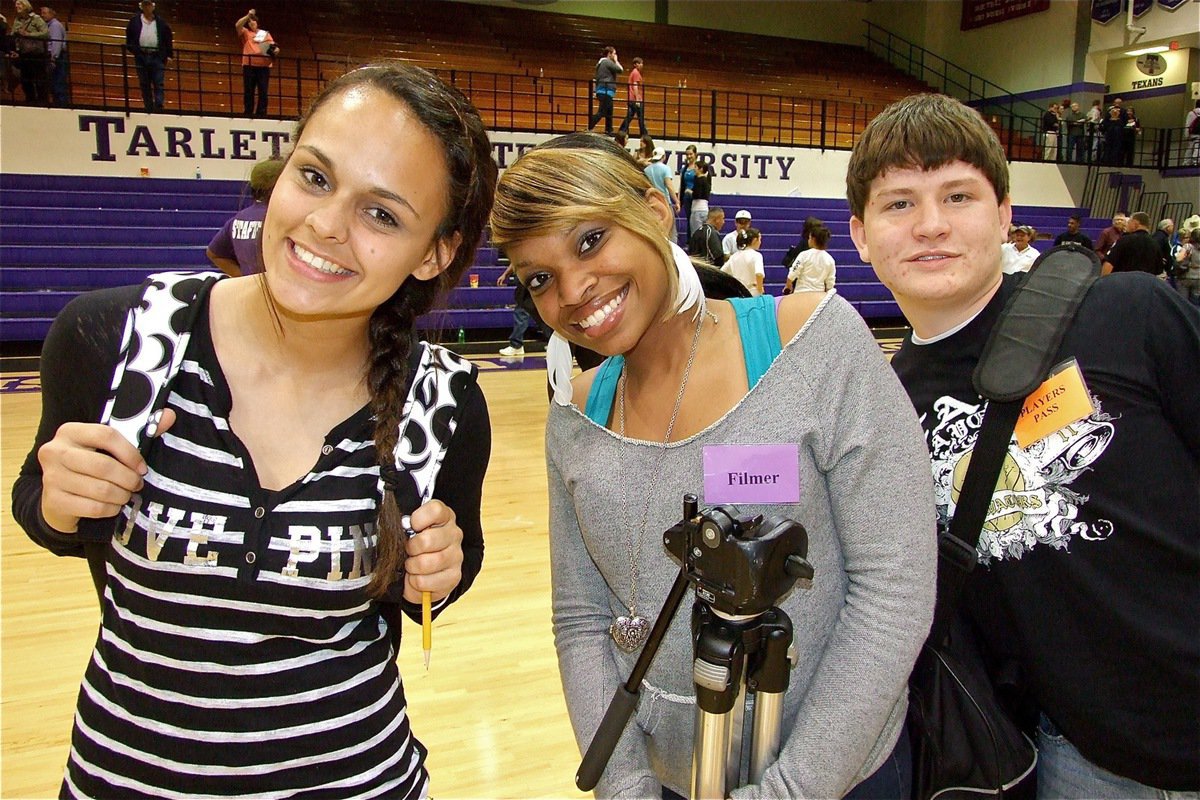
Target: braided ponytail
x=390 y=337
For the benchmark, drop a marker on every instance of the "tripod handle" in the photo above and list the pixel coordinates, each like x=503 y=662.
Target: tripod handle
x=600 y=750
x=625 y=699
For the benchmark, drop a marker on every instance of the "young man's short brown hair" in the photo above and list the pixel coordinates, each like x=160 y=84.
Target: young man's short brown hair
x=924 y=131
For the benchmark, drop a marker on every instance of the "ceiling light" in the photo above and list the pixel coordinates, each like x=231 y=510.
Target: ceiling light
x=1162 y=48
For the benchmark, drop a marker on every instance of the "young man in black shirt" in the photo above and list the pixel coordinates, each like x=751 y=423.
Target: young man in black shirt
x=1088 y=559
x=1073 y=234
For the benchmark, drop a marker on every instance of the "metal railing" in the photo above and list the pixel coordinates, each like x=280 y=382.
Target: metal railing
x=1018 y=121
x=203 y=82
x=103 y=77
x=947 y=77
x=1107 y=192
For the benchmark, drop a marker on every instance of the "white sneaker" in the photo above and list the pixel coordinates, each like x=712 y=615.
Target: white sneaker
x=512 y=351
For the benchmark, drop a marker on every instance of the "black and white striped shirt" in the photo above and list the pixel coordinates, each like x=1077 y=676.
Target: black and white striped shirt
x=238 y=653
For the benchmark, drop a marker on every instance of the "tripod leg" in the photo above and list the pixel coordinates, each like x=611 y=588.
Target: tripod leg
x=717 y=672
x=709 y=762
x=764 y=738
x=768 y=673
x=737 y=722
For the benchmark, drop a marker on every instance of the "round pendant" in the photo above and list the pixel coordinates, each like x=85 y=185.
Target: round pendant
x=629 y=632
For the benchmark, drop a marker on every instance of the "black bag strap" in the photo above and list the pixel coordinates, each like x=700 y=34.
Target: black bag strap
x=1016 y=359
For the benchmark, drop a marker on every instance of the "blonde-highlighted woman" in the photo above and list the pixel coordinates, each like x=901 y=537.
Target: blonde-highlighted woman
x=589 y=237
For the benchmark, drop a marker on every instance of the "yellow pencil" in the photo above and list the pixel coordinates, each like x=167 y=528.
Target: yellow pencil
x=426 y=602
x=426 y=625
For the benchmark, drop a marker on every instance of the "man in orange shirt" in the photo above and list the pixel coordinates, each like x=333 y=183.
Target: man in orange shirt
x=258 y=54
x=634 y=99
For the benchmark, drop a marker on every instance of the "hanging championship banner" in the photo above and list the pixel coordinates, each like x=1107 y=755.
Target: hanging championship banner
x=978 y=13
x=1140 y=7
x=1169 y=5
x=1106 y=10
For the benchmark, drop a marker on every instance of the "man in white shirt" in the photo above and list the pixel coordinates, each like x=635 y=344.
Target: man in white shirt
x=1018 y=255
x=149 y=39
x=741 y=222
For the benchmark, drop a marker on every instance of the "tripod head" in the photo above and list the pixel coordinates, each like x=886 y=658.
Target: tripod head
x=740 y=564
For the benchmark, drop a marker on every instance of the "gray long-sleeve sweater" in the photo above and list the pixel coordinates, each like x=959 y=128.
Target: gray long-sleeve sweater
x=867 y=503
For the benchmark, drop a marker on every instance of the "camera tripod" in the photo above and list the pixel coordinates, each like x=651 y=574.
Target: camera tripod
x=740 y=566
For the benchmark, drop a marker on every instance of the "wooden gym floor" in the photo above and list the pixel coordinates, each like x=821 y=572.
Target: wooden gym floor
x=490 y=709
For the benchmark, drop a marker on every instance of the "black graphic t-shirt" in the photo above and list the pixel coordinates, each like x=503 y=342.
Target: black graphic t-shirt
x=1089 y=561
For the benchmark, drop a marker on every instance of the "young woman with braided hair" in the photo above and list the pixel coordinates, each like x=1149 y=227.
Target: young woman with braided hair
x=253 y=523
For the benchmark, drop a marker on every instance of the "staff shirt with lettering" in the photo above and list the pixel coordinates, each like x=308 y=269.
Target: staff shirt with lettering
x=239 y=238
x=1090 y=553
x=238 y=653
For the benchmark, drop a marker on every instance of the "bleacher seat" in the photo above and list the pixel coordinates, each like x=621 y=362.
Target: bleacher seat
x=60 y=236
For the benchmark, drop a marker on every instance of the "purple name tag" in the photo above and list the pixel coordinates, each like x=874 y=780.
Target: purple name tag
x=760 y=473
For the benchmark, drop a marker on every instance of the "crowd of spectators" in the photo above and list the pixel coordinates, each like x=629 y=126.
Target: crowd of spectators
x=1107 y=136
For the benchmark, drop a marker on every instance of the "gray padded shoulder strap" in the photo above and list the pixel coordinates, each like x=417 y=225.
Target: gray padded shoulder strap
x=1024 y=342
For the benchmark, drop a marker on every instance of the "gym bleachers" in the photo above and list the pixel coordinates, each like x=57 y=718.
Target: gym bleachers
x=525 y=69
x=61 y=236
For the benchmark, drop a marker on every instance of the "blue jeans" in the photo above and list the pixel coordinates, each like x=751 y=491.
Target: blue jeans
x=893 y=779
x=635 y=109
x=60 y=89
x=1064 y=774
x=521 y=321
x=151 y=72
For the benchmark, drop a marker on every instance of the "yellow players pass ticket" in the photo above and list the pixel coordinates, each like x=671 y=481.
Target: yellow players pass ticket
x=1060 y=401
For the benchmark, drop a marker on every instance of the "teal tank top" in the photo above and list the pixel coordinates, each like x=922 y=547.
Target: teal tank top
x=759 y=330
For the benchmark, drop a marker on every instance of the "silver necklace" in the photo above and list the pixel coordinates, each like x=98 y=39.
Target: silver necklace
x=630 y=631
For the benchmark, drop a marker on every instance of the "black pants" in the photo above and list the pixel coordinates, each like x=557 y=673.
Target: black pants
x=255 y=79
x=639 y=110
x=604 y=109
x=151 y=71
x=60 y=87
x=35 y=81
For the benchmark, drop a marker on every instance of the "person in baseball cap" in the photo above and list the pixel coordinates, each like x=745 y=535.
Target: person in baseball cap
x=1019 y=254
x=741 y=221
x=660 y=175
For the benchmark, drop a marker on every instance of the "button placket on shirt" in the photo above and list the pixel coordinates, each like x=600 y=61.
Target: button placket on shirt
x=258 y=535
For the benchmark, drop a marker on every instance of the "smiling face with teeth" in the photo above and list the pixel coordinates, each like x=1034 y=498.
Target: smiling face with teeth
x=933 y=237
x=356 y=209
x=597 y=283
